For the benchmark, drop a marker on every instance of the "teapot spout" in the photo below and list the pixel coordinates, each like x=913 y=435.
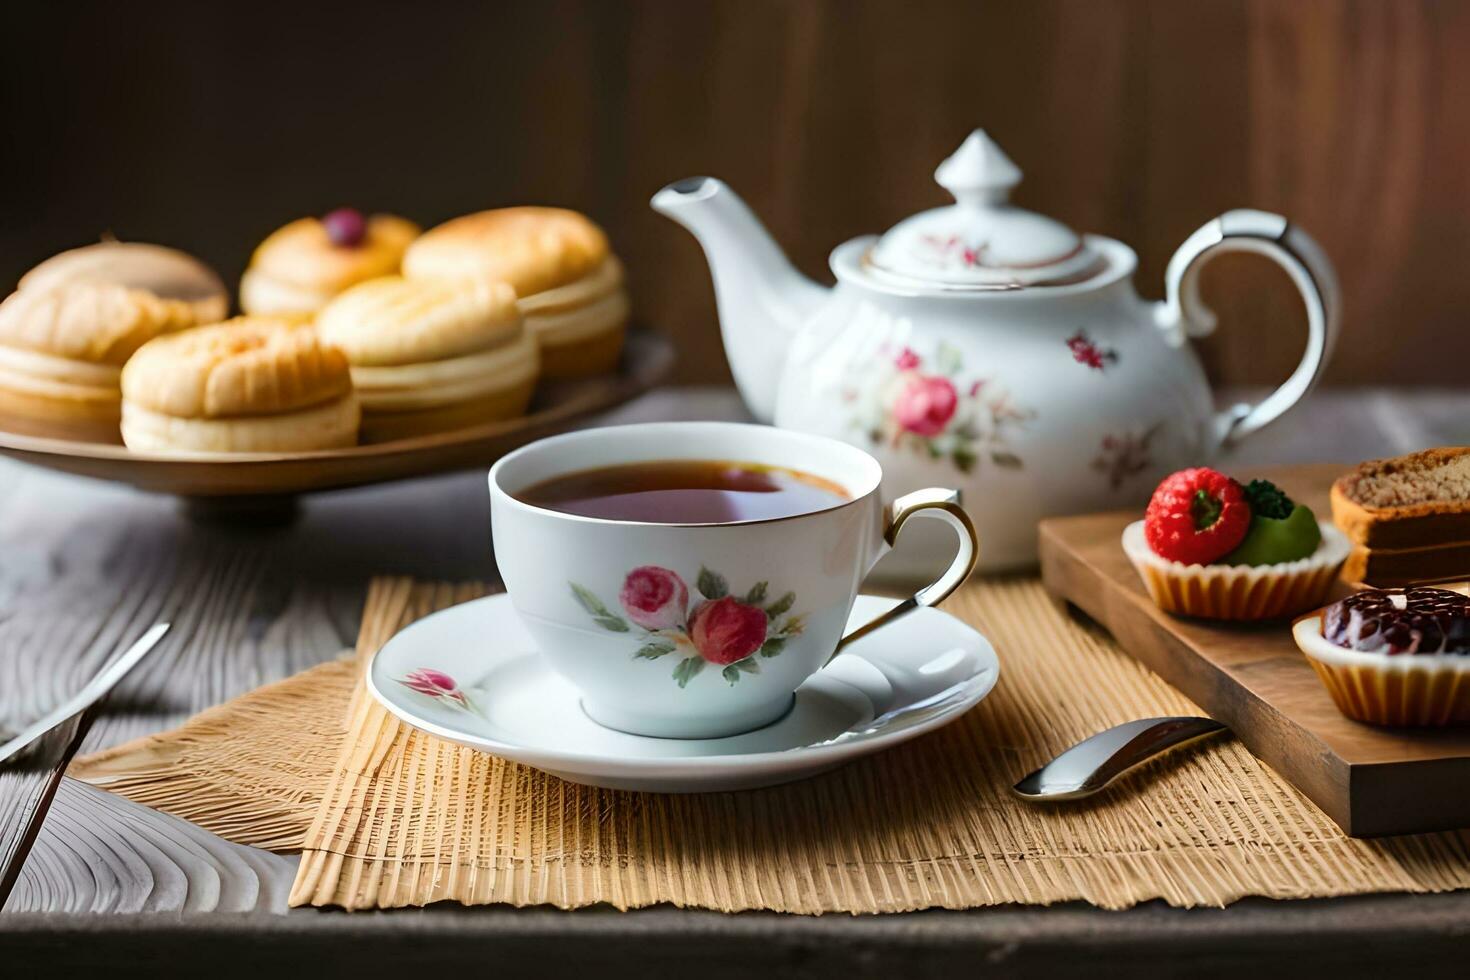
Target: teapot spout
x=762 y=299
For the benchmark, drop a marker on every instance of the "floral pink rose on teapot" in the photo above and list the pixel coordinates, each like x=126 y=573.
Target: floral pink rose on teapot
x=925 y=405
x=933 y=406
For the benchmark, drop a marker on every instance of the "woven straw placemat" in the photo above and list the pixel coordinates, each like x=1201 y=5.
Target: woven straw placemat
x=386 y=816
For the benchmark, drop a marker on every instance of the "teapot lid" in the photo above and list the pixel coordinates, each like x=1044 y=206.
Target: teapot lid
x=982 y=240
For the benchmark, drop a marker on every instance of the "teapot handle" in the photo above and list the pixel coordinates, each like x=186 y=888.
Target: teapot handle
x=1183 y=314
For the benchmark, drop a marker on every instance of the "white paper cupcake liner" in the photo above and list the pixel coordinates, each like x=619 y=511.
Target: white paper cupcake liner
x=1238 y=592
x=1408 y=689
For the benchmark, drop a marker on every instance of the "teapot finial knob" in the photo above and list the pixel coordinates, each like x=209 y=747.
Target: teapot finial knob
x=978 y=172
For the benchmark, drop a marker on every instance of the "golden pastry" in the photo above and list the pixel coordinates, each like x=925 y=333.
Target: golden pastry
x=569 y=283
x=298 y=269
x=62 y=349
x=432 y=355
x=165 y=272
x=248 y=385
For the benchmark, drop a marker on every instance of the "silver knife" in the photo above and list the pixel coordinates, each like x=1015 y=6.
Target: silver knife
x=1094 y=763
x=52 y=739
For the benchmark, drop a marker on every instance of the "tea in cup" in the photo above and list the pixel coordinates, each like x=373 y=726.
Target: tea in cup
x=687 y=577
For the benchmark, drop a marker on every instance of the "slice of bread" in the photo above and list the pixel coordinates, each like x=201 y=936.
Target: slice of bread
x=1421 y=500
x=1389 y=568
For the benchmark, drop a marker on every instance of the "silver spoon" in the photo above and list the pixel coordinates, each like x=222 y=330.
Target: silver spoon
x=1094 y=763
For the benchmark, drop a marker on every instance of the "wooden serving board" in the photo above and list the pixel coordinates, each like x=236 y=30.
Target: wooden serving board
x=1371 y=781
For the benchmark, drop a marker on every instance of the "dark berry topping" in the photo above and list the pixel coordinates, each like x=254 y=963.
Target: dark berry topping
x=346 y=227
x=1393 y=621
x=1266 y=500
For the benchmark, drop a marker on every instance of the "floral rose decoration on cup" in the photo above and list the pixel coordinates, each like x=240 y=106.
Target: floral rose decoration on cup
x=719 y=628
x=655 y=598
x=727 y=630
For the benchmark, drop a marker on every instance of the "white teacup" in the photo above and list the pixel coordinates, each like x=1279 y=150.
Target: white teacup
x=612 y=604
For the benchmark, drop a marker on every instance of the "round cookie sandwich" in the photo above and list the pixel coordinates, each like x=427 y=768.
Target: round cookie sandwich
x=1212 y=548
x=165 y=272
x=299 y=268
x=62 y=350
x=249 y=385
x=432 y=355
x=569 y=283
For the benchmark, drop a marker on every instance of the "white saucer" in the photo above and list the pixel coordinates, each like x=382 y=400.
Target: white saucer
x=909 y=678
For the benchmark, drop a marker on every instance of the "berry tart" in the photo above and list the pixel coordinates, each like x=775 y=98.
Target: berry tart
x=1393 y=656
x=1212 y=548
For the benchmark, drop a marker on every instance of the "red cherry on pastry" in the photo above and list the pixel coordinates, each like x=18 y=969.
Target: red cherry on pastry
x=346 y=227
x=1196 y=516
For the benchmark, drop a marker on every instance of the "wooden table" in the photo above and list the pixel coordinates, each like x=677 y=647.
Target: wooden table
x=85 y=565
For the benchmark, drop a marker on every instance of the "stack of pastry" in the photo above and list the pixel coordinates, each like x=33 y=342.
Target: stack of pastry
x=95 y=345
x=431 y=355
x=1407 y=517
x=299 y=268
x=251 y=384
x=569 y=284
x=77 y=318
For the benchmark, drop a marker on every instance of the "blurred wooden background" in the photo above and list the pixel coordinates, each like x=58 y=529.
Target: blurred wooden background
x=206 y=125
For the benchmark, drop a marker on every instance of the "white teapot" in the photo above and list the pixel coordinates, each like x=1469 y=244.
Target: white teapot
x=987 y=347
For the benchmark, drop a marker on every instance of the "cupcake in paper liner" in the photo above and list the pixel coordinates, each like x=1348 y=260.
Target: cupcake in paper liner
x=1212 y=548
x=1393 y=656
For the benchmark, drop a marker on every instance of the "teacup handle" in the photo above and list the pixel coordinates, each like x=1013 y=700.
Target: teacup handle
x=1183 y=314
x=945 y=506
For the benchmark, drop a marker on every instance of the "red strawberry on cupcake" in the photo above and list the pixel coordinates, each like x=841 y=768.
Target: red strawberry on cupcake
x=1196 y=516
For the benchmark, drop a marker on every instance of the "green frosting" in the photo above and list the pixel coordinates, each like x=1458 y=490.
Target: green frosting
x=1276 y=539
